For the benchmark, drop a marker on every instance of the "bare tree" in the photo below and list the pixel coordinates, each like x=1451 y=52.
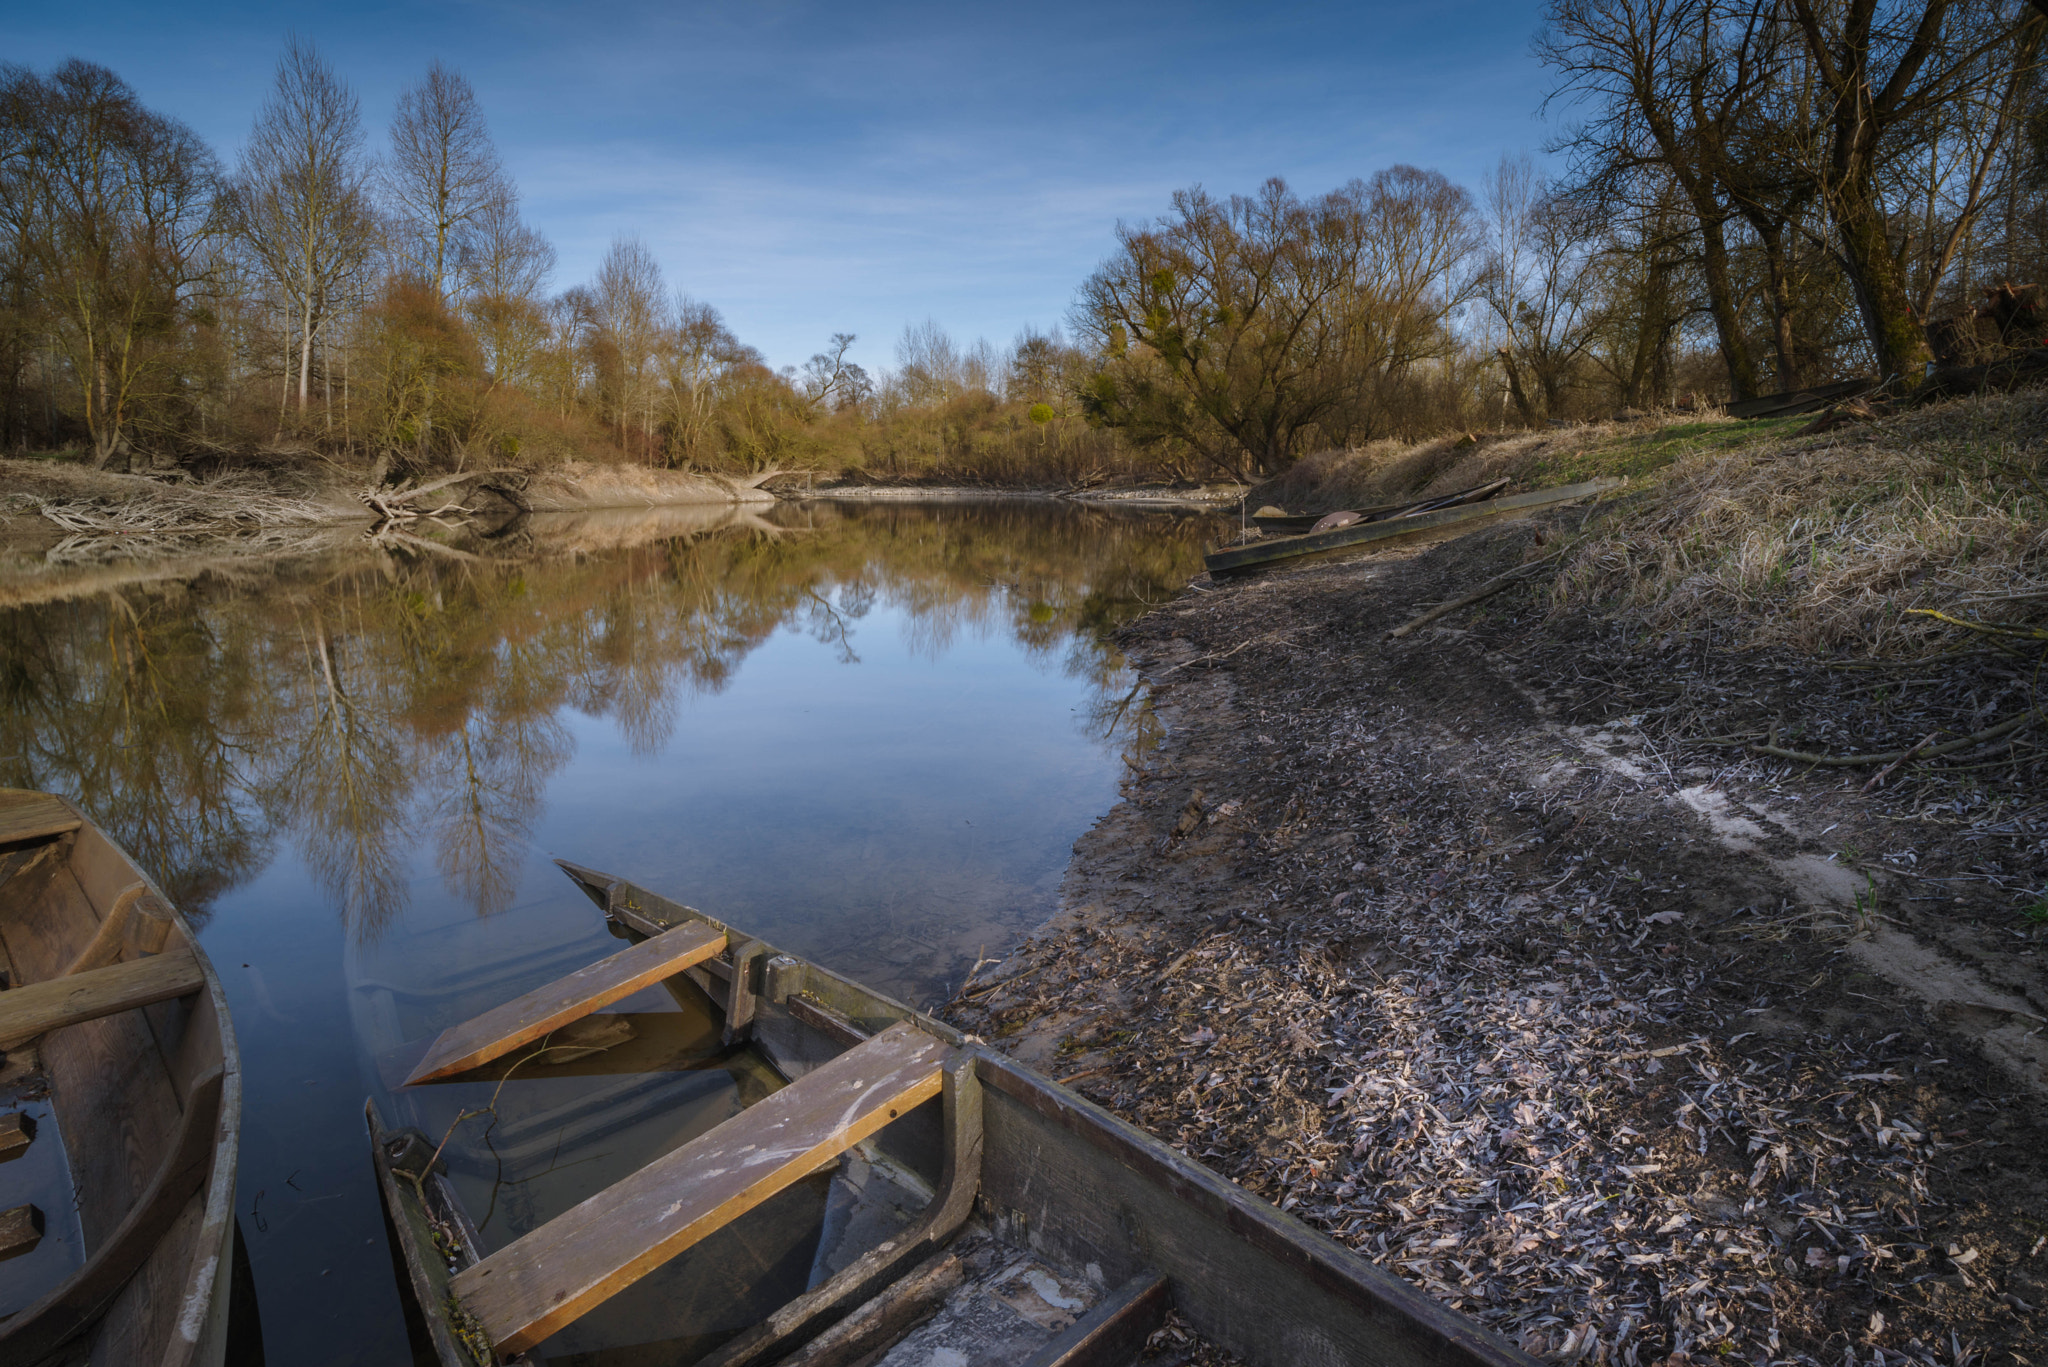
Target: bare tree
x=1665 y=86
x=1881 y=67
x=697 y=356
x=444 y=179
x=106 y=207
x=628 y=307
x=1541 y=273
x=829 y=374
x=505 y=269
x=301 y=203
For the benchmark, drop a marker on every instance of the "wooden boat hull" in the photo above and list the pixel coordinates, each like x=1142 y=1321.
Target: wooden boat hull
x=1793 y=402
x=1378 y=535
x=1079 y=1188
x=131 y=1037
x=1294 y=524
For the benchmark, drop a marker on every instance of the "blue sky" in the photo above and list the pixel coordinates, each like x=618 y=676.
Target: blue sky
x=810 y=169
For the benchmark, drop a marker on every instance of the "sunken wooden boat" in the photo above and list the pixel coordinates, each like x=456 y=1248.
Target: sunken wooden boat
x=894 y=1194
x=1392 y=530
x=120 y=1106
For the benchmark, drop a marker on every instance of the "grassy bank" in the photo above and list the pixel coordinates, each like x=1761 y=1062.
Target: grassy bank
x=1840 y=541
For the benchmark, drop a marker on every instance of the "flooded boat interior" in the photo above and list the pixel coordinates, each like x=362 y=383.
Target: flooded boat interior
x=904 y=1196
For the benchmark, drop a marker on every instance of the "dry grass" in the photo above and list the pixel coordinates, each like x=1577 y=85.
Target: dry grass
x=1390 y=471
x=1829 y=544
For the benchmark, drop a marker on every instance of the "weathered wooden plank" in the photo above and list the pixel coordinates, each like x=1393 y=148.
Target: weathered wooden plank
x=26 y=1012
x=21 y=1229
x=84 y=1296
x=901 y=1307
x=1114 y=1331
x=17 y=1132
x=26 y=815
x=739 y=990
x=552 y=1276
x=825 y=1021
x=105 y=947
x=656 y=1042
x=1247 y=1277
x=867 y=1275
x=525 y=1019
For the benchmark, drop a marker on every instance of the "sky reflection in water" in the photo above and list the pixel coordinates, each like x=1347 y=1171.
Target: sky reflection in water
x=866 y=734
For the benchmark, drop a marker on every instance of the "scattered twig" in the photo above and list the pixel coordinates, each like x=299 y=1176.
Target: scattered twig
x=1877 y=779
x=1499 y=585
x=2004 y=728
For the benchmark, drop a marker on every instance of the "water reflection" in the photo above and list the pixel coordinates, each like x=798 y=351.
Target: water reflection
x=359 y=700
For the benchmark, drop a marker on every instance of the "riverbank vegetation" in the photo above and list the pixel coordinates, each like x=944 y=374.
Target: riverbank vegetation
x=1752 y=197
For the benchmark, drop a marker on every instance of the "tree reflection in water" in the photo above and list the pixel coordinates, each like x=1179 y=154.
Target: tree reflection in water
x=354 y=702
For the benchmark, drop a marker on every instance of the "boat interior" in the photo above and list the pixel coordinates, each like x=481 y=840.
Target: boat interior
x=700 y=1150
x=118 y=1099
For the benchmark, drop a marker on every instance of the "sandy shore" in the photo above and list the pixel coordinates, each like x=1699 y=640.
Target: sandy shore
x=1483 y=951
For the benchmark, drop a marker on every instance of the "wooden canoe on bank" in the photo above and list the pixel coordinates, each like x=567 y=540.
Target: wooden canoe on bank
x=895 y=1191
x=1294 y=524
x=1257 y=555
x=1793 y=402
x=120 y=1105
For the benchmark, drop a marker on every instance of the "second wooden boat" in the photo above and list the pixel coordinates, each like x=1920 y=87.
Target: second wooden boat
x=893 y=1193
x=1257 y=555
x=120 y=1102
x=1294 y=524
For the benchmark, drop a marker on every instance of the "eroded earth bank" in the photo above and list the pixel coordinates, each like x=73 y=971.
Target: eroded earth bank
x=1501 y=953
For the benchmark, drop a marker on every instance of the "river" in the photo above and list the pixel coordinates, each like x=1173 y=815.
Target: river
x=868 y=734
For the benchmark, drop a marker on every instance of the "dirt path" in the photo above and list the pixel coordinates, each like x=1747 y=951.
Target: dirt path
x=1491 y=953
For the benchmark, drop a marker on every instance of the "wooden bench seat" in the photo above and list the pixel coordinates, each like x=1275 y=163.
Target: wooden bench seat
x=26 y=815
x=28 y=1011
x=552 y=1276
x=524 y=1019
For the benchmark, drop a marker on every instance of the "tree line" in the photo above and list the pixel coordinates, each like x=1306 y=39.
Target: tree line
x=1751 y=195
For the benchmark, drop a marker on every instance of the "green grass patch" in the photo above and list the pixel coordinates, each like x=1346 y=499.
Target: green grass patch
x=1649 y=452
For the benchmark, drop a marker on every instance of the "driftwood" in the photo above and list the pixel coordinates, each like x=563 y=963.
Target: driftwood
x=396 y=505
x=1841 y=415
x=1499 y=585
x=1920 y=751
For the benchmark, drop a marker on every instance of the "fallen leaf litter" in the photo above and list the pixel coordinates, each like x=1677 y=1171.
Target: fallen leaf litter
x=1432 y=1022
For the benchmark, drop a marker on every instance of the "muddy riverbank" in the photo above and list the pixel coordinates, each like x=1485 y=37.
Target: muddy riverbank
x=1488 y=952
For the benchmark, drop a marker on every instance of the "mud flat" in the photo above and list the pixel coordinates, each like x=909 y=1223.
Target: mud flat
x=1488 y=951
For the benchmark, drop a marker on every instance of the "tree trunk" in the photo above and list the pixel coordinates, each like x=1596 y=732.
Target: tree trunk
x=1521 y=396
x=1896 y=335
x=1786 y=345
x=305 y=356
x=1742 y=376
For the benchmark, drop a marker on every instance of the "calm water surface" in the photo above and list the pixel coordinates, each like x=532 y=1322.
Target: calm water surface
x=869 y=735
